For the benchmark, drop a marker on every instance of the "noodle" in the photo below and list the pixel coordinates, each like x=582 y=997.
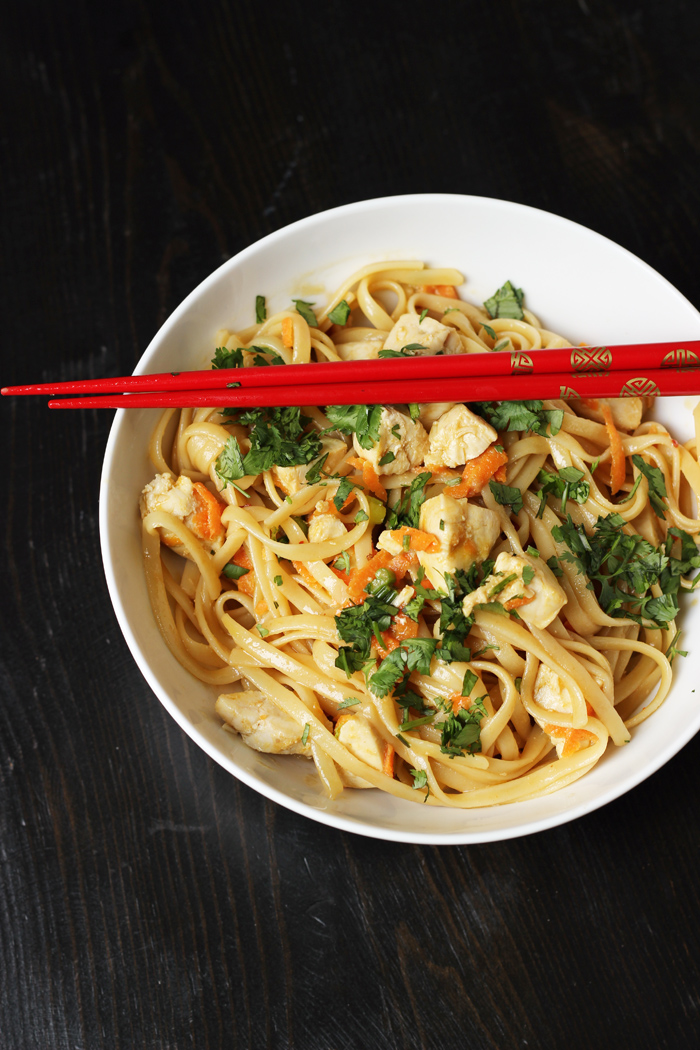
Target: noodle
x=461 y=605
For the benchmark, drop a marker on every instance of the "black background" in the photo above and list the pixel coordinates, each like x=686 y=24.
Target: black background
x=148 y=899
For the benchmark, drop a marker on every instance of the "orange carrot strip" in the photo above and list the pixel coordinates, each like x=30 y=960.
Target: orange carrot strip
x=477 y=472
x=370 y=479
x=388 y=761
x=261 y=608
x=617 y=453
x=305 y=573
x=448 y=291
x=401 y=563
x=402 y=627
x=574 y=739
x=359 y=578
x=288 y=333
x=245 y=583
x=516 y=603
x=206 y=520
x=419 y=540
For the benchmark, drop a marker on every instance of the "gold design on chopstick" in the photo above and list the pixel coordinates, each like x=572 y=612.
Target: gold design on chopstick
x=640 y=387
x=593 y=360
x=683 y=360
x=520 y=364
x=568 y=393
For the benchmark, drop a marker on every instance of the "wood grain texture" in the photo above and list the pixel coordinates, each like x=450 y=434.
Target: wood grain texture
x=148 y=899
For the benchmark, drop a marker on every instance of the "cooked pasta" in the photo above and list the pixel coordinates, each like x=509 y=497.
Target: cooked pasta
x=460 y=604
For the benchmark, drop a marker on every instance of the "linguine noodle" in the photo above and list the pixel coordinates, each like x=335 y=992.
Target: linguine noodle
x=459 y=606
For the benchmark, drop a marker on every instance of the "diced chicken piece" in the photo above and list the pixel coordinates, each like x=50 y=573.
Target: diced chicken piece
x=363 y=741
x=430 y=413
x=544 y=596
x=191 y=503
x=359 y=350
x=466 y=533
x=404 y=596
x=626 y=411
x=434 y=336
x=293 y=479
x=402 y=441
x=550 y=692
x=261 y=723
x=325 y=527
x=457 y=437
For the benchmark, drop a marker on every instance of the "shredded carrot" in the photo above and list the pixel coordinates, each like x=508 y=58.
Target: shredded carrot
x=448 y=291
x=402 y=627
x=305 y=573
x=388 y=761
x=206 y=520
x=245 y=583
x=288 y=333
x=617 y=453
x=261 y=608
x=401 y=563
x=574 y=739
x=516 y=603
x=359 y=578
x=477 y=472
x=457 y=701
x=370 y=479
x=418 y=540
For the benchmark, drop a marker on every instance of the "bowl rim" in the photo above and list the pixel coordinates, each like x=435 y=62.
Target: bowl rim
x=339 y=821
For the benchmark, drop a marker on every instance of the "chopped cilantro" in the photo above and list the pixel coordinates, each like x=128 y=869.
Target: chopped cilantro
x=672 y=652
x=407 y=510
x=262 y=631
x=567 y=484
x=657 y=485
x=278 y=581
x=461 y=732
x=305 y=734
x=506 y=302
x=410 y=350
x=470 y=680
x=420 y=778
x=415 y=654
x=388 y=457
x=521 y=415
x=489 y=331
x=224 y=358
x=340 y=313
x=313 y=474
x=277 y=438
x=362 y=420
x=349 y=701
x=361 y=516
x=344 y=489
x=507 y=496
x=234 y=572
x=424 y=314
x=266 y=356
x=342 y=562
x=306 y=311
x=260 y=309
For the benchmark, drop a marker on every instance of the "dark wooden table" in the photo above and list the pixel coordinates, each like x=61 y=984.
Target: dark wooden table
x=148 y=899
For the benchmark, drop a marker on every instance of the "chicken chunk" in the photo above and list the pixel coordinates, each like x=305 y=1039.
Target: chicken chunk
x=466 y=533
x=432 y=335
x=324 y=526
x=544 y=597
x=430 y=413
x=261 y=723
x=402 y=445
x=191 y=503
x=626 y=411
x=362 y=740
x=293 y=479
x=458 y=436
x=550 y=692
x=364 y=349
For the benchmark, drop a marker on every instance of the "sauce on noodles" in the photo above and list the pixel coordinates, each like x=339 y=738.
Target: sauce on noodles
x=460 y=604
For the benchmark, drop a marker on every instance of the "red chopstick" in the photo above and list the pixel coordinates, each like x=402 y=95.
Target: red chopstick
x=577 y=362
x=625 y=383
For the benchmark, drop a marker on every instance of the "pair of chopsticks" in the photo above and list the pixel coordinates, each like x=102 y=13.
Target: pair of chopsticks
x=646 y=369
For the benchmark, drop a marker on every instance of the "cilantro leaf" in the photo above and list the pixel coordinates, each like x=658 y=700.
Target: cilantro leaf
x=362 y=420
x=407 y=510
x=260 y=309
x=306 y=311
x=657 y=485
x=506 y=302
x=507 y=496
x=566 y=484
x=229 y=464
x=266 y=356
x=234 y=572
x=224 y=358
x=461 y=732
x=340 y=313
x=415 y=654
x=520 y=415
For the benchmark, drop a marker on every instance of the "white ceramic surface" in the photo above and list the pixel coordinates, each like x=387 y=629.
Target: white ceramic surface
x=579 y=284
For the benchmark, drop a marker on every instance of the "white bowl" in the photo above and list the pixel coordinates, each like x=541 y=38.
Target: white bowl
x=581 y=285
